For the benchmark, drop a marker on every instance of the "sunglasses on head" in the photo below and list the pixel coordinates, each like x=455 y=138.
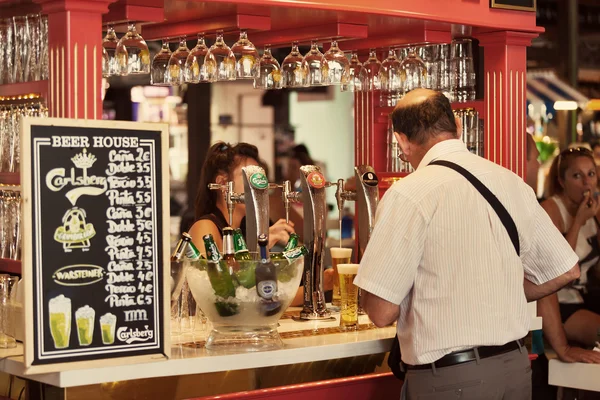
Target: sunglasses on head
x=574 y=150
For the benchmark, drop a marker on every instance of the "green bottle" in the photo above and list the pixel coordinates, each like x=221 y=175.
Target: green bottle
x=286 y=262
x=240 y=248
x=292 y=242
x=218 y=271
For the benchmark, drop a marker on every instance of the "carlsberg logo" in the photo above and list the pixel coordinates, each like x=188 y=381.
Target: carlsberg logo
x=259 y=181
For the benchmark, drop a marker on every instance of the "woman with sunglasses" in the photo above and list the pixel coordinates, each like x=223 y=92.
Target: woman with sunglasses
x=573 y=205
x=224 y=163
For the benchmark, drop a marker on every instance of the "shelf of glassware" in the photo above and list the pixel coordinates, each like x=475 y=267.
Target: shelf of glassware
x=8 y=266
x=10 y=178
x=477 y=105
x=24 y=89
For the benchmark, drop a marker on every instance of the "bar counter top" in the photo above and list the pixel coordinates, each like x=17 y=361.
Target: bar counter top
x=186 y=359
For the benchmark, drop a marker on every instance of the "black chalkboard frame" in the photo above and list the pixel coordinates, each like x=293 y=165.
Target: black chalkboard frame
x=517 y=5
x=163 y=351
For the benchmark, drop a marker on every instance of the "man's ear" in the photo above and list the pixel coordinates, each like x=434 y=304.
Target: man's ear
x=459 y=127
x=403 y=143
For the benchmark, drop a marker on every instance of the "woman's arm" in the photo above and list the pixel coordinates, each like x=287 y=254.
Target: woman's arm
x=204 y=227
x=554 y=213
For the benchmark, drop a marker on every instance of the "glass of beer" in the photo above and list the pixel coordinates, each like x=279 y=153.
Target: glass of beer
x=349 y=292
x=59 y=309
x=84 y=318
x=108 y=323
x=339 y=255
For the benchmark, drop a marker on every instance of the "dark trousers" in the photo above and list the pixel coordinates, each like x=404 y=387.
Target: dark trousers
x=503 y=377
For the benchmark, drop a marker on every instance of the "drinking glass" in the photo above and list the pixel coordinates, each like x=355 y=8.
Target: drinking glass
x=7 y=315
x=336 y=68
x=462 y=78
x=132 y=53
x=246 y=66
x=444 y=70
x=390 y=76
x=176 y=69
x=370 y=73
x=160 y=64
x=21 y=49
x=269 y=72
x=313 y=62
x=44 y=42
x=224 y=58
x=35 y=48
x=59 y=310
x=3 y=49
x=293 y=72
x=85 y=320
x=8 y=50
x=200 y=65
x=14 y=227
x=339 y=255
x=414 y=73
x=353 y=84
x=109 y=44
x=349 y=296
x=5 y=218
x=428 y=54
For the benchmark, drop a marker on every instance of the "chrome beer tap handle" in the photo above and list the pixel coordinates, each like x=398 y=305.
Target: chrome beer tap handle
x=231 y=198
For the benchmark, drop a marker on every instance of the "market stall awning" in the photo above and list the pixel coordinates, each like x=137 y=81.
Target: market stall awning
x=547 y=89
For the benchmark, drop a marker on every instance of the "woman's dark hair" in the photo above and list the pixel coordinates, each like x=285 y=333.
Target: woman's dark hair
x=300 y=153
x=222 y=158
x=559 y=167
x=427 y=119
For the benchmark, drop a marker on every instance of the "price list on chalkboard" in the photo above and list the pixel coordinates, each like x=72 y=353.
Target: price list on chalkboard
x=96 y=244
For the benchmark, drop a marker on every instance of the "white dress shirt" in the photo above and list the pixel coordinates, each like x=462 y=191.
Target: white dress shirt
x=440 y=251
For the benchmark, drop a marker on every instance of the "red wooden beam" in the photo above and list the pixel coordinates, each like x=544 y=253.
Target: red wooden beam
x=305 y=34
x=227 y=23
x=120 y=13
x=397 y=39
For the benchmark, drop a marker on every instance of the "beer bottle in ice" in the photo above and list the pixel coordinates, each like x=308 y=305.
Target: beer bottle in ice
x=266 y=279
x=218 y=272
x=292 y=242
x=185 y=247
x=239 y=245
x=229 y=254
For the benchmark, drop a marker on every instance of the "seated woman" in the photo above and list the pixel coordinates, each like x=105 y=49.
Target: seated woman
x=573 y=205
x=224 y=163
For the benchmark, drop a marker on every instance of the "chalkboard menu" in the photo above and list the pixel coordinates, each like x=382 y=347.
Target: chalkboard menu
x=520 y=5
x=96 y=240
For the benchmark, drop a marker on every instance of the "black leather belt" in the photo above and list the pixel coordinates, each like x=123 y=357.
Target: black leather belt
x=464 y=356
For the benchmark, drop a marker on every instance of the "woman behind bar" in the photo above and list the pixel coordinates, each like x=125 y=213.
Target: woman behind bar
x=574 y=207
x=224 y=163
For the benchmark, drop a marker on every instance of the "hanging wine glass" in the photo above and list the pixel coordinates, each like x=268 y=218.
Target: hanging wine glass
x=269 y=72
x=313 y=62
x=336 y=67
x=246 y=66
x=176 y=74
x=293 y=71
x=160 y=65
x=200 y=66
x=353 y=83
x=109 y=45
x=370 y=73
x=391 y=80
x=132 y=53
x=224 y=58
x=414 y=73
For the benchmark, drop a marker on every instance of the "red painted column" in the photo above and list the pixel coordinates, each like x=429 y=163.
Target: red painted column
x=75 y=57
x=505 y=69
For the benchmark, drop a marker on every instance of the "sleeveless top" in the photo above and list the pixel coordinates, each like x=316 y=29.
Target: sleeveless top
x=587 y=249
x=220 y=221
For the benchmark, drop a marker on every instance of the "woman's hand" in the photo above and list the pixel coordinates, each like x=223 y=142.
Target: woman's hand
x=280 y=232
x=588 y=208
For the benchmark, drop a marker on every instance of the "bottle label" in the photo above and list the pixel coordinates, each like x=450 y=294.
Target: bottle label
x=192 y=252
x=259 y=181
x=316 y=180
x=240 y=245
x=293 y=254
x=213 y=254
x=266 y=289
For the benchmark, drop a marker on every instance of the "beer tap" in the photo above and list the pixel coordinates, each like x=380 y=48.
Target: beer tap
x=366 y=197
x=256 y=200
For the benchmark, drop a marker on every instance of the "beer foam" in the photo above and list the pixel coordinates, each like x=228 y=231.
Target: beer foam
x=340 y=252
x=108 y=318
x=60 y=303
x=85 y=312
x=348 y=269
